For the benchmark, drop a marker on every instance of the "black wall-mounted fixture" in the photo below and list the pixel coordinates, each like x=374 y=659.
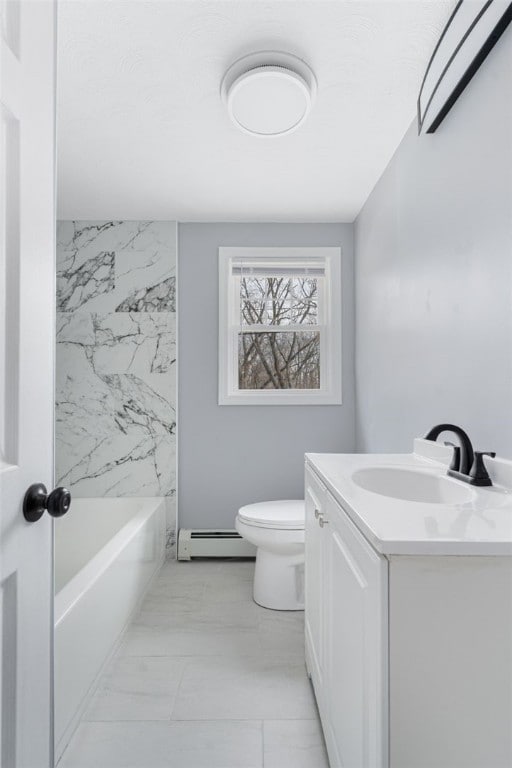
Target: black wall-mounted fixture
x=471 y=33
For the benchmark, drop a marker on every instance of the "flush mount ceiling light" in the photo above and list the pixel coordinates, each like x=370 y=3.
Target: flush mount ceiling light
x=268 y=93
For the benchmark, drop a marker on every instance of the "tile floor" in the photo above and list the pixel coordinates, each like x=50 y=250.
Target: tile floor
x=204 y=678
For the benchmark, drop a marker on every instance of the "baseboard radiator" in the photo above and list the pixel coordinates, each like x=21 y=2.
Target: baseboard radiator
x=212 y=543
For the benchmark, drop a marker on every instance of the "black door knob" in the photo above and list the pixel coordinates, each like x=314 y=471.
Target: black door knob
x=37 y=499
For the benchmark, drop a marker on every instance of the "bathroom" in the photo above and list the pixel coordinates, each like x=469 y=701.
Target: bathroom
x=224 y=545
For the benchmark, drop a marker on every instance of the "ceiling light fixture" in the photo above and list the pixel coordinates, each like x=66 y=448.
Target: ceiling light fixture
x=268 y=93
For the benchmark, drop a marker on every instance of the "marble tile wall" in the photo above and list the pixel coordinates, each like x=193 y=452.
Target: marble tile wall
x=116 y=359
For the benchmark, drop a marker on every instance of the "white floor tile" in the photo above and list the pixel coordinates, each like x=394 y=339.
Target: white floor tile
x=244 y=688
x=177 y=588
x=224 y=591
x=244 y=569
x=282 y=622
x=151 y=640
x=282 y=634
x=294 y=744
x=199 y=615
x=171 y=584
x=164 y=602
x=192 y=568
x=166 y=745
x=223 y=581
x=138 y=688
x=199 y=670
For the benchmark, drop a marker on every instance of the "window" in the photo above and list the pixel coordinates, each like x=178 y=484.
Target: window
x=279 y=326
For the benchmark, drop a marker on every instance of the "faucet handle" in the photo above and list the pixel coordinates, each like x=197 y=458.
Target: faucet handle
x=478 y=472
x=455 y=462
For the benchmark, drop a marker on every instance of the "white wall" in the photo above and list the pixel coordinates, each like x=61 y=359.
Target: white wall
x=434 y=277
x=235 y=455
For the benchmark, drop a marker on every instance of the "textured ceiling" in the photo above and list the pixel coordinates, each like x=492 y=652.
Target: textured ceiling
x=142 y=131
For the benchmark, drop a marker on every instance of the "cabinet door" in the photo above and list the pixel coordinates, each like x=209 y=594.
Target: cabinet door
x=314 y=588
x=355 y=668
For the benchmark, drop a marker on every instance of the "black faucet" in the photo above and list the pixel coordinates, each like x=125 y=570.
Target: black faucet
x=466 y=465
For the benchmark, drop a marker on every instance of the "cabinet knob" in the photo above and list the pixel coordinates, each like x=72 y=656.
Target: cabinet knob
x=317 y=514
x=322 y=521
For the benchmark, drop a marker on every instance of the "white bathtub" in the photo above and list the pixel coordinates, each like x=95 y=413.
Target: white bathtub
x=106 y=553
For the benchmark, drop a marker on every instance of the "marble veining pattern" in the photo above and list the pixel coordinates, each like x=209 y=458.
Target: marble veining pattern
x=144 y=236
x=116 y=358
x=122 y=342
x=115 y=436
x=118 y=266
x=78 y=281
x=159 y=298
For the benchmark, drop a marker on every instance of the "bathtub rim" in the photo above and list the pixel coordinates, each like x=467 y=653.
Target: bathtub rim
x=70 y=594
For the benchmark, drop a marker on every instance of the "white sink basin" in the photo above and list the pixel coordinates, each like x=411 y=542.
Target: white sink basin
x=412 y=485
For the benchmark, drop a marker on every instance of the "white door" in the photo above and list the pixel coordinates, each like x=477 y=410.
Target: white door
x=27 y=223
x=356 y=646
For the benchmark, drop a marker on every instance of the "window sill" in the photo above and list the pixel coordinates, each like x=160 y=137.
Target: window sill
x=284 y=397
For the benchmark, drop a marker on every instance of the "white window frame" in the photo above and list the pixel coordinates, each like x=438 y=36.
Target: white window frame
x=330 y=328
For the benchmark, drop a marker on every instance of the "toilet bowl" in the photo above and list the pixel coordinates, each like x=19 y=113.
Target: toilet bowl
x=276 y=528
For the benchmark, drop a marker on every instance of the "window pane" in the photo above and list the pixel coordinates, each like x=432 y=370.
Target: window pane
x=279 y=360
x=279 y=300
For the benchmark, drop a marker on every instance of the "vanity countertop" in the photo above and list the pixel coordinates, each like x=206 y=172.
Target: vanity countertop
x=479 y=525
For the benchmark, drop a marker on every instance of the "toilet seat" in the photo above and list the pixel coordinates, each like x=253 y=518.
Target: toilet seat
x=288 y=514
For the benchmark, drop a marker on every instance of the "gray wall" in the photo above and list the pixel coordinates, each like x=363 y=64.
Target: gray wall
x=235 y=455
x=434 y=277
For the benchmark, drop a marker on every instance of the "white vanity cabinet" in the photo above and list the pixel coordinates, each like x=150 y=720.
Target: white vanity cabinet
x=316 y=499
x=410 y=656
x=346 y=632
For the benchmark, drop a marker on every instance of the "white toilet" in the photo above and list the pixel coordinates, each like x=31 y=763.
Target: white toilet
x=276 y=528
